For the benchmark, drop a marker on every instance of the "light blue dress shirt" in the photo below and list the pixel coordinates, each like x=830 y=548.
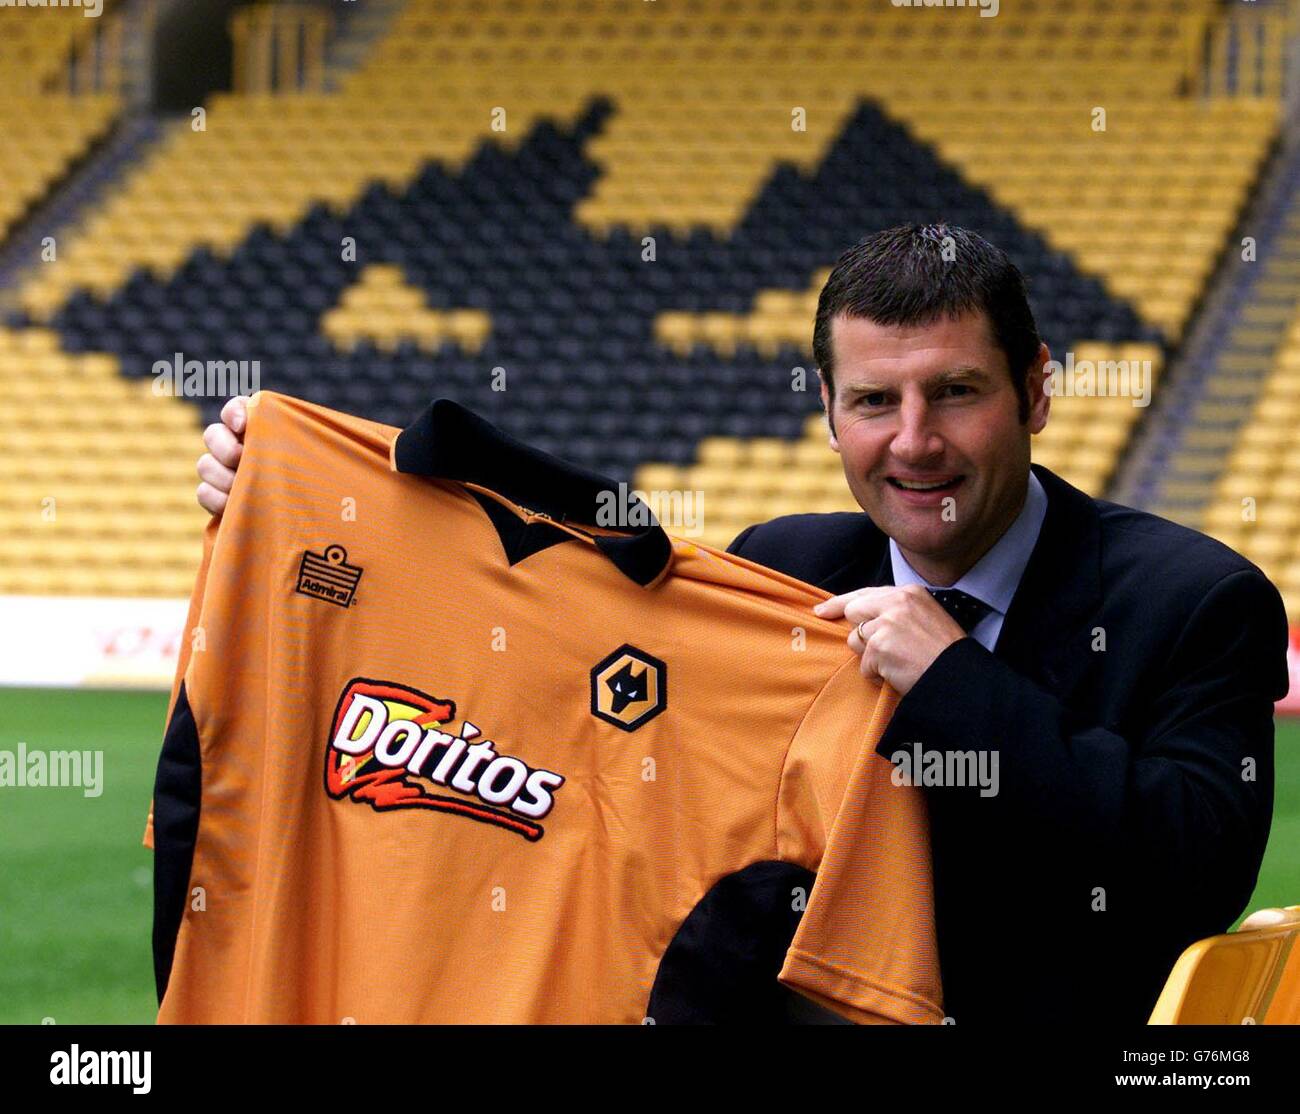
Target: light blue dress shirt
x=995 y=576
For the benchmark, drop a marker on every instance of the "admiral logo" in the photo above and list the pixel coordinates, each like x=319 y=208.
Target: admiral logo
x=328 y=576
x=385 y=751
x=629 y=688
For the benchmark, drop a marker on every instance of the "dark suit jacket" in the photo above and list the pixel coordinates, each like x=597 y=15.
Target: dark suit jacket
x=1136 y=781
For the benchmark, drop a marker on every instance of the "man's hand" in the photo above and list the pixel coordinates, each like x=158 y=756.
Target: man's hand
x=225 y=442
x=898 y=631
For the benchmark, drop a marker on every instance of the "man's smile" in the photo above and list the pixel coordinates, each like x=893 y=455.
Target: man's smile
x=924 y=491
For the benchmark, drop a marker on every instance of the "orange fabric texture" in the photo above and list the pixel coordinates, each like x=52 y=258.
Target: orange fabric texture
x=355 y=631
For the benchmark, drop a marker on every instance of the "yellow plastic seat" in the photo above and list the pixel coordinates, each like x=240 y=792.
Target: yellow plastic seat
x=1251 y=976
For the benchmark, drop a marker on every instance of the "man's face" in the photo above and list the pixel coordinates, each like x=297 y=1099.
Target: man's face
x=925 y=405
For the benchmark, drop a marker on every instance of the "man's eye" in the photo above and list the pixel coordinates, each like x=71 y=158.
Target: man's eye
x=957 y=387
x=876 y=398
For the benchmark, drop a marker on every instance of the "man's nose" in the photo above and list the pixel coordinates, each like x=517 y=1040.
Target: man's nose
x=916 y=439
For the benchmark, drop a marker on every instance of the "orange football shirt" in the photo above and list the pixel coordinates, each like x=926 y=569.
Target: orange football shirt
x=449 y=743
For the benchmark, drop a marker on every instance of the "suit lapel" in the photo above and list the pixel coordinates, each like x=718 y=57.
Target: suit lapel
x=1048 y=629
x=869 y=566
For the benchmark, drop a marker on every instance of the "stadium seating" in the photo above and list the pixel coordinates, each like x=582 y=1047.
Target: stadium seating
x=1254 y=506
x=96 y=479
x=44 y=127
x=385 y=309
x=36 y=44
x=626 y=212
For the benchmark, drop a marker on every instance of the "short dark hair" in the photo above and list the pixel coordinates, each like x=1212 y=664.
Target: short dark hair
x=901 y=277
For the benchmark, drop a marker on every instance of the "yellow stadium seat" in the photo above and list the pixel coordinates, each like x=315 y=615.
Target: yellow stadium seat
x=1251 y=976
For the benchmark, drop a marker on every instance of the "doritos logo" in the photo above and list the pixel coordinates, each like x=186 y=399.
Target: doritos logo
x=387 y=749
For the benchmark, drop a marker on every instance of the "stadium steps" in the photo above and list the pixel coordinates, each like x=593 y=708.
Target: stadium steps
x=357 y=31
x=78 y=196
x=1214 y=380
x=124 y=148
x=139 y=18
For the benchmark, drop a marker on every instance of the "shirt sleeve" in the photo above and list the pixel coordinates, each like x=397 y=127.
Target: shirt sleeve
x=187 y=642
x=866 y=945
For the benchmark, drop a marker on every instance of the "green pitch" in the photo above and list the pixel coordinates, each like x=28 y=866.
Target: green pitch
x=76 y=896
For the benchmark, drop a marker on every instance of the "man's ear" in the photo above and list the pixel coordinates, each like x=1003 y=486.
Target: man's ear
x=1039 y=386
x=828 y=406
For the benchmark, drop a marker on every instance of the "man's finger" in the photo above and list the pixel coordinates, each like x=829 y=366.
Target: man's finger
x=857 y=641
x=223 y=444
x=216 y=474
x=210 y=499
x=234 y=415
x=866 y=607
x=833 y=608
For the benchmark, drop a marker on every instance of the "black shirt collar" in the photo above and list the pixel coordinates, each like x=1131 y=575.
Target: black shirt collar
x=450 y=442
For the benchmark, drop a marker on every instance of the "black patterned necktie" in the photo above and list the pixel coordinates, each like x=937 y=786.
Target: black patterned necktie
x=965 y=608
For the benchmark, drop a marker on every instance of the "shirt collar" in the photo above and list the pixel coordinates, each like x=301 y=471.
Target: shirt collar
x=995 y=576
x=450 y=442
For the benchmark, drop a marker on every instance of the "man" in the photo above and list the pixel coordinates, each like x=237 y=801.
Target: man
x=1088 y=701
